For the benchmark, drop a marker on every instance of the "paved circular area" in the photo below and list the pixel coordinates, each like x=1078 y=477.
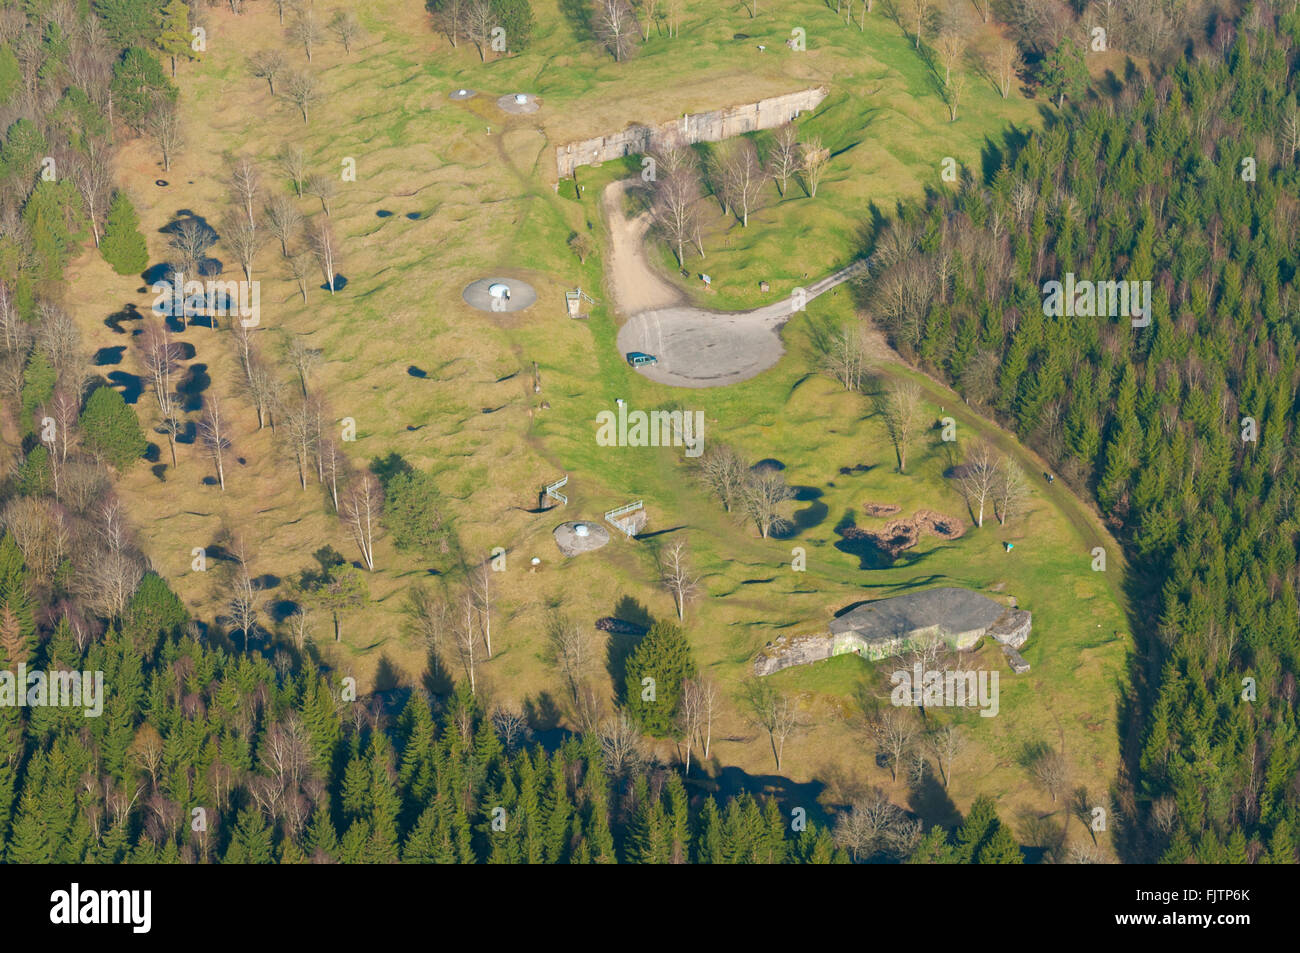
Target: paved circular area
x=571 y=544
x=695 y=347
x=509 y=103
x=522 y=294
x=463 y=94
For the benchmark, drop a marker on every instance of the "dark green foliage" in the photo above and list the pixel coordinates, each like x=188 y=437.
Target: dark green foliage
x=413 y=512
x=516 y=18
x=664 y=657
x=129 y=22
x=38 y=387
x=139 y=84
x=11 y=75
x=35 y=478
x=111 y=429
x=23 y=149
x=123 y=246
x=55 y=219
x=1153 y=419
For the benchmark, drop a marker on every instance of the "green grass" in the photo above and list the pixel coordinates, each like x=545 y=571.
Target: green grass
x=487 y=204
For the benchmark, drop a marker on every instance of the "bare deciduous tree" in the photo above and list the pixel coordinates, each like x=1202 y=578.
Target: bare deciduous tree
x=616 y=27
x=325 y=247
x=813 y=159
x=464 y=631
x=191 y=238
x=362 y=504
x=302 y=357
x=1012 y=490
x=244 y=239
x=688 y=718
x=1007 y=63
x=267 y=65
x=622 y=746
x=302 y=91
x=951 y=46
x=919 y=10
x=574 y=653
x=283 y=220
x=978 y=478
x=449 y=17
x=947 y=742
x=214 y=432
x=323 y=187
x=870 y=826
x=480 y=586
x=347 y=28
x=300 y=269
x=479 y=19
x=164 y=125
x=245 y=184
x=952 y=95
x=725 y=471
x=773 y=711
x=745 y=178
x=1051 y=771
x=677 y=577
x=92 y=173
x=293 y=163
x=894 y=731
x=783 y=160
x=675 y=209
x=306 y=29
x=900 y=406
x=847 y=356
x=762 y=494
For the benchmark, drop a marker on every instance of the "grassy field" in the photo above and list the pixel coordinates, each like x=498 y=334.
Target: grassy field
x=451 y=191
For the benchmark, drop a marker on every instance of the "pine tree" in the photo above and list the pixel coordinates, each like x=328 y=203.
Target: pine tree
x=664 y=657
x=251 y=841
x=123 y=246
x=111 y=428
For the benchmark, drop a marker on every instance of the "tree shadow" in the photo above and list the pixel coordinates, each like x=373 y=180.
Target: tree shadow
x=131 y=385
x=805 y=519
x=542 y=713
x=192 y=385
x=437 y=679
x=928 y=800
x=387 y=676
x=115 y=320
x=577 y=13
x=622 y=642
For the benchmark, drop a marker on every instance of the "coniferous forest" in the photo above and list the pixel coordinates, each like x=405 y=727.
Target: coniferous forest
x=1189 y=181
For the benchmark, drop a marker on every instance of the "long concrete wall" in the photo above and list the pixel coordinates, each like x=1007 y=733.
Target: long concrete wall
x=712 y=126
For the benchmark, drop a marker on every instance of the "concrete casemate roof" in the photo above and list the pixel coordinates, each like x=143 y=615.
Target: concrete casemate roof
x=953 y=610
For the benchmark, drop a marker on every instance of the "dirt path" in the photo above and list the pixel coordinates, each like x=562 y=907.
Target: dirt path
x=695 y=347
x=636 y=286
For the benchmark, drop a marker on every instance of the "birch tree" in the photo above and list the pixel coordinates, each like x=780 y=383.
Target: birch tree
x=362 y=505
x=1012 y=490
x=900 y=406
x=783 y=160
x=677 y=577
x=979 y=479
x=214 y=433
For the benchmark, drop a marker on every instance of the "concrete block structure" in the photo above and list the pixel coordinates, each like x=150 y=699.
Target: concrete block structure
x=712 y=126
x=876 y=630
